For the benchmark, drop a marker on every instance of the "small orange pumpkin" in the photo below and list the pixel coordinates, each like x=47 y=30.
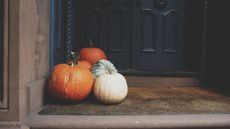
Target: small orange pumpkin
x=92 y=54
x=84 y=64
x=70 y=82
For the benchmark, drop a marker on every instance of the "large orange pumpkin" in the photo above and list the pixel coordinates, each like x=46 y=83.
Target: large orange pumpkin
x=92 y=54
x=70 y=82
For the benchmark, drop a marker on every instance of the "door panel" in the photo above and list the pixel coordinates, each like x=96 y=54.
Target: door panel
x=89 y=18
x=148 y=30
x=157 y=35
x=118 y=33
x=94 y=28
x=169 y=27
x=106 y=23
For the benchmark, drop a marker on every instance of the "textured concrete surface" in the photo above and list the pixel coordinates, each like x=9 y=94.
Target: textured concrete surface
x=27 y=42
x=149 y=101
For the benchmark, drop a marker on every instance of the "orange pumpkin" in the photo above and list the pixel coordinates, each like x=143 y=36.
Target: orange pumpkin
x=70 y=82
x=92 y=54
x=84 y=64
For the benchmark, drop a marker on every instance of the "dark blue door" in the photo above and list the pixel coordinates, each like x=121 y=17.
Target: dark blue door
x=135 y=34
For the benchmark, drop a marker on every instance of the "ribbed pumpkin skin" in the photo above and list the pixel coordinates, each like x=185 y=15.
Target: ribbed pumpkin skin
x=92 y=55
x=110 y=88
x=84 y=64
x=70 y=83
x=103 y=67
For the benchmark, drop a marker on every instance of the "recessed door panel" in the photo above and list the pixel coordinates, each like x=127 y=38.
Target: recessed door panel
x=106 y=23
x=162 y=36
x=148 y=30
x=116 y=31
x=169 y=42
x=94 y=22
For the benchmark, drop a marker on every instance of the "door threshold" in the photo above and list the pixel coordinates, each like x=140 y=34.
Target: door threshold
x=158 y=81
x=169 y=72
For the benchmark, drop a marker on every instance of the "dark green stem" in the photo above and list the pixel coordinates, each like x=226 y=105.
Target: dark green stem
x=77 y=55
x=74 y=58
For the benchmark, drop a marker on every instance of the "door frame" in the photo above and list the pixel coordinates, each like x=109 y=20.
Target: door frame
x=9 y=102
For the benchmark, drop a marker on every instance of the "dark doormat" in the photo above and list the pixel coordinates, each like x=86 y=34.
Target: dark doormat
x=150 y=101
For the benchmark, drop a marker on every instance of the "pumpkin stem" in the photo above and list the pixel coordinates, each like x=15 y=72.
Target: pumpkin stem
x=74 y=59
x=90 y=43
x=77 y=55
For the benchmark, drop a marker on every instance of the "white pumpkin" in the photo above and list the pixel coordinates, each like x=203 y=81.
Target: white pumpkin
x=110 y=86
